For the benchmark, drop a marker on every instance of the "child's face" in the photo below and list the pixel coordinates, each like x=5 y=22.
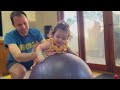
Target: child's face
x=60 y=37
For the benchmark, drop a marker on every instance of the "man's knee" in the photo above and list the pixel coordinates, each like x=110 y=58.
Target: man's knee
x=17 y=71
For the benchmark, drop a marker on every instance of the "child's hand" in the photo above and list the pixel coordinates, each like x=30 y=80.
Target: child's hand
x=49 y=52
x=40 y=59
x=33 y=65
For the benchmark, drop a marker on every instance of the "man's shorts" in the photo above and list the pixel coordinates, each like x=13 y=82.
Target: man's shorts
x=27 y=65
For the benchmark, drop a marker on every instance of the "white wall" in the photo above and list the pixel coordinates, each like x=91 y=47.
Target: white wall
x=47 y=18
x=37 y=19
x=6 y=23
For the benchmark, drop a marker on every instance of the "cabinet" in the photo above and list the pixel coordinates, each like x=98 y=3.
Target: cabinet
x=3 y=58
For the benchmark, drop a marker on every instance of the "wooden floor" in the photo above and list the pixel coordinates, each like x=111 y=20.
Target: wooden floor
x=96 y=73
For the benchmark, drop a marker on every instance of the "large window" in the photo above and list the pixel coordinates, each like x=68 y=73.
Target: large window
x=71 y=18
x=116 y=30
x=94 y=37
x=98 y=37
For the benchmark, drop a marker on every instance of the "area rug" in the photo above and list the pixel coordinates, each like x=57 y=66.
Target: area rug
x=105 y=76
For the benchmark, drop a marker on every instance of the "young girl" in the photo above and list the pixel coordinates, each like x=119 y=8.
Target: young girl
x=58 y=41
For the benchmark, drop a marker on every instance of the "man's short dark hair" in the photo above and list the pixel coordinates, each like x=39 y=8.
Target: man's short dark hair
x=17 y=13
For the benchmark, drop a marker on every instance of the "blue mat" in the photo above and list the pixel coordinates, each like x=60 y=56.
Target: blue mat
x=105 y=76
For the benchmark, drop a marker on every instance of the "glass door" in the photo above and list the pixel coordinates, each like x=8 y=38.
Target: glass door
x=96 y=37
x=71 y=18
x=116 y=36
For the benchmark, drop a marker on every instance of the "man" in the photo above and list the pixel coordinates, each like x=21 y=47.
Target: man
x=21 y=43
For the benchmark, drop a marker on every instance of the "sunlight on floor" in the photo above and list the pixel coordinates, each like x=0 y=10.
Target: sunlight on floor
x=95 y=73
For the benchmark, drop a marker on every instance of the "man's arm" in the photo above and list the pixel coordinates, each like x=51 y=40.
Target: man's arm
x=21 y=57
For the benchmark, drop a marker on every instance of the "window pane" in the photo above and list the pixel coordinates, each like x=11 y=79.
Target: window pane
x=94 y=37
x=71 y=18
x=116 y=30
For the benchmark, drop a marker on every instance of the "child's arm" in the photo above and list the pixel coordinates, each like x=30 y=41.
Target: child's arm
x=40 y=57
x=39 y=50
x=70 y=51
